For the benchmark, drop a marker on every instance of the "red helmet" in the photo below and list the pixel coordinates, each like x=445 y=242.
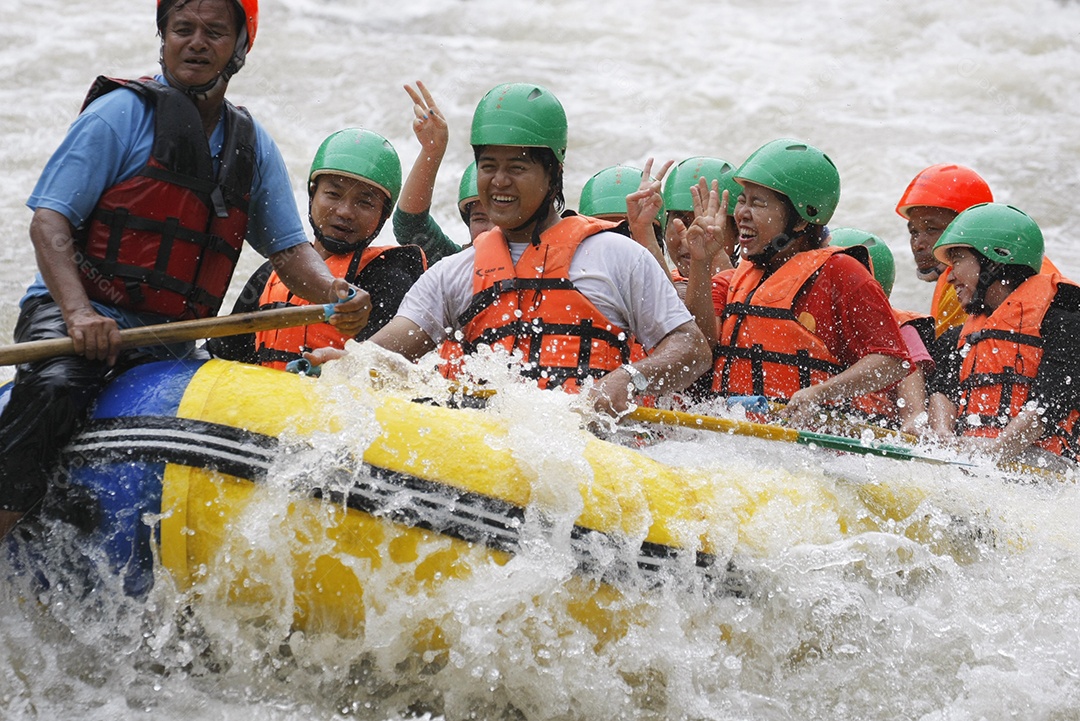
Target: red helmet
x=945 y=186
x=250 y=9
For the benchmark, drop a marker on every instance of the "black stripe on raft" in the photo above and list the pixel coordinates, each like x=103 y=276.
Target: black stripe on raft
x=399 y=497
x=156 y=439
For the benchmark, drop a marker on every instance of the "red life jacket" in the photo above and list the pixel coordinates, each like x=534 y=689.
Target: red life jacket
x=764 y=350
x=275 y=348
x=1002 y=356
x=532 y=307
x=166 y=241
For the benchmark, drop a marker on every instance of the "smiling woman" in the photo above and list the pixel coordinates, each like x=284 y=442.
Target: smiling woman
x=1007 y=383
x=802 y=323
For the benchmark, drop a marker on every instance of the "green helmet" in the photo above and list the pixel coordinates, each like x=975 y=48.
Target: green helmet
x=467 y=191
x=686 y=174
x=801 y=172
x=605 y=193
x=997 y=231
x=520 y=114
x=881 y=258
x=360 y=154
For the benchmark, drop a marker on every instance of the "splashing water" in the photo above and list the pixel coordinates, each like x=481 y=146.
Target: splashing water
x=963 y=605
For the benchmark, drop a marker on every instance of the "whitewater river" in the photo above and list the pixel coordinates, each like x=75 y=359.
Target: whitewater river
x=982 y=621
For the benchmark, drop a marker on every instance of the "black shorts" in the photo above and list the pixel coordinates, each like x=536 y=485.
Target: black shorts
x=48 y=401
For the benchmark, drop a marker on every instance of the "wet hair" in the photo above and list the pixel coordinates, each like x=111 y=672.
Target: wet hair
x=553 y=168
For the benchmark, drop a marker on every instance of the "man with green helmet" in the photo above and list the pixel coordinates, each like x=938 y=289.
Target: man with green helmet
x=525 y=288
x=412 y=217
x=802 y=322
x=1007 y=377
x=354 y=180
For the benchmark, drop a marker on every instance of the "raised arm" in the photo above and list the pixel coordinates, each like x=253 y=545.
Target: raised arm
x=707 y=240
x=431 y=130
x=641 y=208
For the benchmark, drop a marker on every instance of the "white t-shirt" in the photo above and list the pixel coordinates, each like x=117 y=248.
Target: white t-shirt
x=617 y=275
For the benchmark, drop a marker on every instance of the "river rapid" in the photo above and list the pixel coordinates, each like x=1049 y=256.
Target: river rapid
x=977 y=618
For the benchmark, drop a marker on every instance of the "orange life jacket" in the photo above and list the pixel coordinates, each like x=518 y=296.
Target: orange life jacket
x=946 y=306
x=764 y=350
x=1002 y=356
x=275 y=348
x=532 y=307
x=166 y=241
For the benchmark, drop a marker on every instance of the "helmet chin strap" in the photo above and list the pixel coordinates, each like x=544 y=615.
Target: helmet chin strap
x=930 y=276
x=990 y=274
x=201 y=92
x=340 y=247
x=776 y=246
x=537 y=218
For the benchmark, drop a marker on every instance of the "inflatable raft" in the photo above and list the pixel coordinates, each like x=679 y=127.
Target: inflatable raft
x=191 y=467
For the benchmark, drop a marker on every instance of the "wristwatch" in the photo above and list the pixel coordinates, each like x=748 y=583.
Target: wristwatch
x=637 y=378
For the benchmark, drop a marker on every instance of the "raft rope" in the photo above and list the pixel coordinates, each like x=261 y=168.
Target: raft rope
x=399 y=497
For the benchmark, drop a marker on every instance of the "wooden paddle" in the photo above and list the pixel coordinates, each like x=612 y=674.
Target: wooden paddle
x=779 y=433
x=180 y=331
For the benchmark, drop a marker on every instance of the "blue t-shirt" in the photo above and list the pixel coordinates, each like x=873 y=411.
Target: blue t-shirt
x=111 y=141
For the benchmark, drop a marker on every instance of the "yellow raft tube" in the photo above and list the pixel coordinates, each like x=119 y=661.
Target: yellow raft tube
x=276 y=495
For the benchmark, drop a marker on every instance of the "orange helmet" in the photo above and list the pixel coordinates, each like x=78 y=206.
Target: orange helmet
x=250 y=9
x=945 y=186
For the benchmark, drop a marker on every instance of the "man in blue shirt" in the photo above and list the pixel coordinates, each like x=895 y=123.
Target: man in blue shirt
x=139 y=218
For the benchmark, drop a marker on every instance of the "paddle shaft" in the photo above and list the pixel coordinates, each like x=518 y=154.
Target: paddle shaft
x=181 y=331
x=775 y=433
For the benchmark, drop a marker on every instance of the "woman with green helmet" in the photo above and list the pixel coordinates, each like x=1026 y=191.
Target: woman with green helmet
x=525 y=288
x=679 y=209
x=802 y=322
x=354 y=180
x=1006 y=378
x=412 y=216
x=701 y=235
